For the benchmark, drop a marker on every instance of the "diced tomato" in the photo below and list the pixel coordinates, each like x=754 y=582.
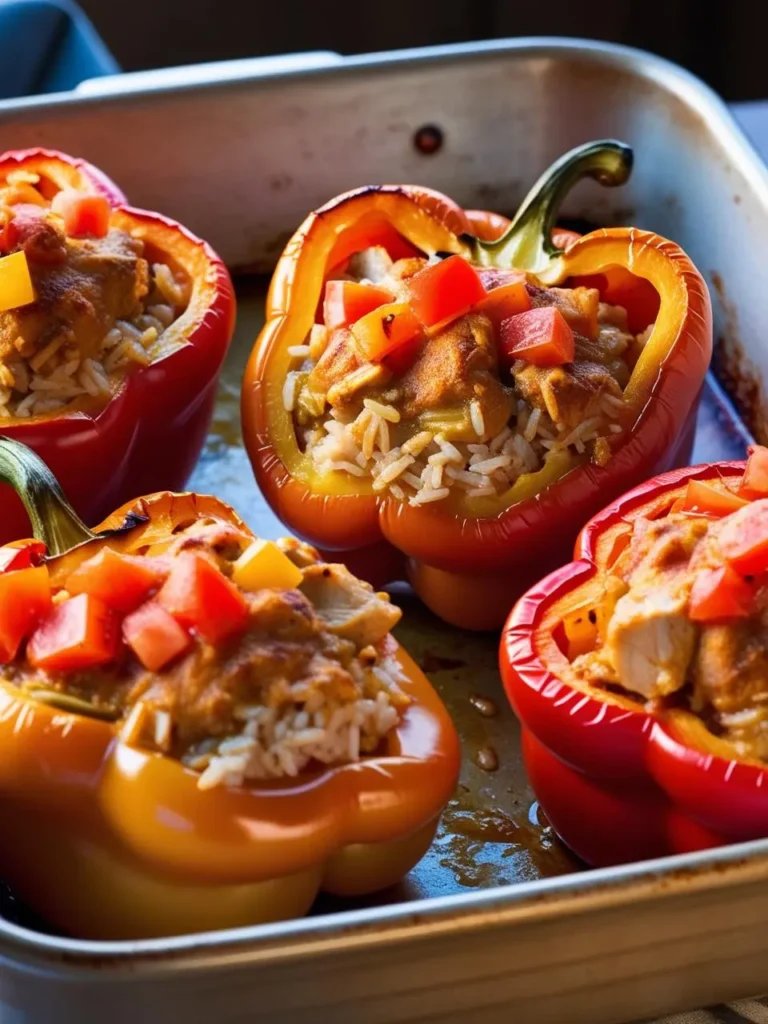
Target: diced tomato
x=121 y=581
x=385 y=329
x=505 y=301
x=539 y=336
x=79 y=633
x=347 y=301
x=83 y=213
x=8 y=232
x=445 y=290
x=201 y=598
x=720 y=594
x=743 y=539
x=21 y=554
x=754 y=483
x=25 y=599
x=704 y=500
x=155 y=636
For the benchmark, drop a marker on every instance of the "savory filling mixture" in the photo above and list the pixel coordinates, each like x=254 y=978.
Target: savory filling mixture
x=81 y=302
x=684 y=615
x=244 y=659
x=431 y=377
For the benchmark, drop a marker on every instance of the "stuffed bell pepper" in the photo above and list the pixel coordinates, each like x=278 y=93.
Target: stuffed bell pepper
x=428 y=397
x=114 y=323
x=199 y=729
x=640 y=671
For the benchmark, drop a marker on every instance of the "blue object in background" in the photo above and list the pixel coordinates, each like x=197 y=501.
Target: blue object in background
x=48 y=46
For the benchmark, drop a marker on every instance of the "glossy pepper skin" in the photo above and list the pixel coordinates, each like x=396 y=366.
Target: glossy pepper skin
x=105 y=840
x=150 y=434
x=619 y=783
x=468 y=562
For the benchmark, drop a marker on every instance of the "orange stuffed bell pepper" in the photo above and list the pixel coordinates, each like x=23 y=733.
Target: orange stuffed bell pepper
x=639 y=671
x=202 y=728
x=450 y=405
x=114 y=324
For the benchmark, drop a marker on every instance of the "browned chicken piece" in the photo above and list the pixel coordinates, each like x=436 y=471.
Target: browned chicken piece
x=569 y=394
x=79 y=297
x=396 y=281
x=650 y=640
x=660 y=544
x=301 y=554
x=348 y=607
x=339 y=359
x=579 y=306
x=455 y=366
x=730 y=669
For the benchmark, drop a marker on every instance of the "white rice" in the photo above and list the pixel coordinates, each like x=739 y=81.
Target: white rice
x=58 y=374
x=426 y=467
x=280 y=741
x=478 y=421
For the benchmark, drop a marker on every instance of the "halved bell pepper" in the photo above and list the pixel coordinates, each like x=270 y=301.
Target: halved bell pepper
x=152 y=853
x=149 y=434
x=618 y=782
x=468 y=558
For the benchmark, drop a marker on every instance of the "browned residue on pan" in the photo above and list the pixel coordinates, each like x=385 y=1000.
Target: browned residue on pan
x=735 y=371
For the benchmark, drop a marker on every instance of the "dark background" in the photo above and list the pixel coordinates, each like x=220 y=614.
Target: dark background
x=724 y=43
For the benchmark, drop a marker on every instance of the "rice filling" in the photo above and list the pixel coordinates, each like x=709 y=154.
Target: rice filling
x=452 y=420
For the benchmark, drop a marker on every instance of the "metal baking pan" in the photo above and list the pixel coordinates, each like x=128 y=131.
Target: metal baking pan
x=498 y=922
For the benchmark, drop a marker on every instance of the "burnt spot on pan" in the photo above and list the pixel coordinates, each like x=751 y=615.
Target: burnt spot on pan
x=431 y=661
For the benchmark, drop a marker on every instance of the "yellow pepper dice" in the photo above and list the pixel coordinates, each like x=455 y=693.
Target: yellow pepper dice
x=582 y=629
x=382 y=331
x=262 y=565
x=15 y=282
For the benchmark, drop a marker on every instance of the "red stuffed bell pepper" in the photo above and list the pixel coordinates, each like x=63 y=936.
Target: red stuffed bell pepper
x=114 y=323
x=429 y=398
x=639 y=672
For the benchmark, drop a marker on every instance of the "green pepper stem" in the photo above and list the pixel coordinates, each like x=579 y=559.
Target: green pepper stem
x=54 y=521
x=527 y=242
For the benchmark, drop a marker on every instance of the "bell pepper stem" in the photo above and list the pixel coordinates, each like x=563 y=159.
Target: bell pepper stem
x=54 y=521
x=527 y=242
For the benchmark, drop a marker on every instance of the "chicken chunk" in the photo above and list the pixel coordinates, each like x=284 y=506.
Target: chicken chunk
x=370 y=265
x=456 y=366
x=339 y=359
x=302 y=555
x=660 y=544
x=348 y=607
x=569 y=394
x=730 y=669
x=79 y=296
x=650 y=640
x=396 y=280
x=579 y=306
